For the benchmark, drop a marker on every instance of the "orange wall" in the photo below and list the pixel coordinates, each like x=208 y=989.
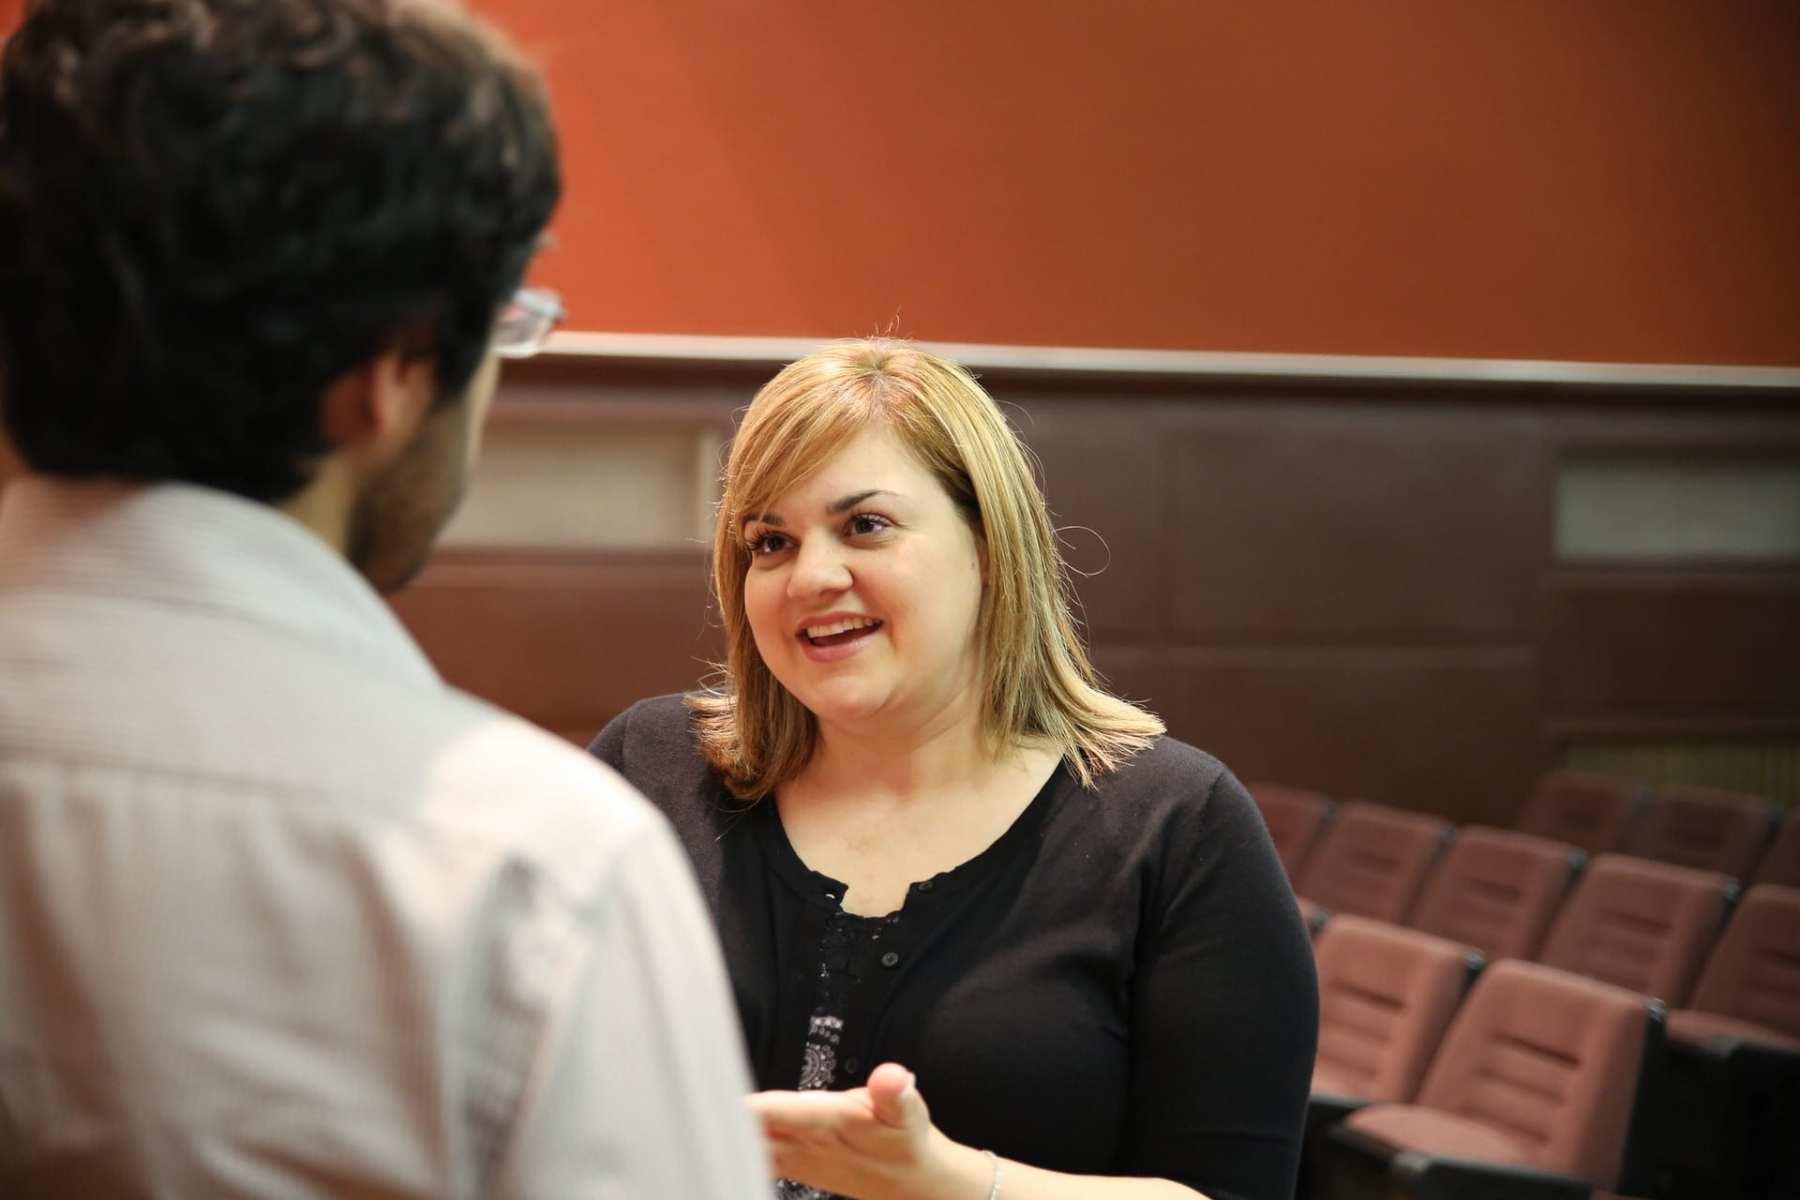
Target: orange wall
x=1609 y=179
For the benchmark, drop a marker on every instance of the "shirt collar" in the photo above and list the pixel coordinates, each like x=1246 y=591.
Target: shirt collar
x=197 y=548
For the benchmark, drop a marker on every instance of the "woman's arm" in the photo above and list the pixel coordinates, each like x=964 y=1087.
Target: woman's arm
x=1225 y=1009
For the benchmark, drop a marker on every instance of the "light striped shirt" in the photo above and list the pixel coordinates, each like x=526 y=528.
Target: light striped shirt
x=283 y=915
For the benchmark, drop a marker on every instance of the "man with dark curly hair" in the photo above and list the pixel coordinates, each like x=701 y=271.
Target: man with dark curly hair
x=280 y=913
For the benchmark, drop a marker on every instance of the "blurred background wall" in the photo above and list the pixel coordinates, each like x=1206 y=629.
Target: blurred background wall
x=1422 y=581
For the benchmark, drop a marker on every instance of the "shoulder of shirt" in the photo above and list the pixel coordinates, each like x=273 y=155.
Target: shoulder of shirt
x=496 y=778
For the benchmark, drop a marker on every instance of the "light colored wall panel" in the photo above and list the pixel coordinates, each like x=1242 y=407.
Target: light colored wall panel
x=1614 y=507
x=572 y=488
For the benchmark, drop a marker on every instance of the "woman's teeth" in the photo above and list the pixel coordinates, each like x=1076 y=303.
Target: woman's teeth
x=836 y=627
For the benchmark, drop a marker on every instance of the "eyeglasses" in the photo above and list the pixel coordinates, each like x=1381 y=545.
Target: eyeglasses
x=524 y=325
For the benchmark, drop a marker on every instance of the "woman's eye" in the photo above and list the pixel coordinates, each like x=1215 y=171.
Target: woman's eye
x=764 y=544
x=864 y=523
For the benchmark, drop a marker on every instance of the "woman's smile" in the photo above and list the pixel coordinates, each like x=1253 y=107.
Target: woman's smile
x=831 y=638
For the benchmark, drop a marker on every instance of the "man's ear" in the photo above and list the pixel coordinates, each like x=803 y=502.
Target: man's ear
x=377 y=406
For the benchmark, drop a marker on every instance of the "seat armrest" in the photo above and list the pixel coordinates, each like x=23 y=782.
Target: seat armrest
x=1747 y=1062
x=1325 y=1109
x=1358 y=1166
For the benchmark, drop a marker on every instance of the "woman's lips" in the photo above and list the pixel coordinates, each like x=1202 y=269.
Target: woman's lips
x=837 y=645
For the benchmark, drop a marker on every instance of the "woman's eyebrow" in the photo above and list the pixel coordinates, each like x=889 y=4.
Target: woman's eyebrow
x=846 y=503
x=842 y=504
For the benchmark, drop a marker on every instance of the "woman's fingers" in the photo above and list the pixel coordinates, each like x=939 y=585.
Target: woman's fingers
x=894 y=1096
x=810 y=1116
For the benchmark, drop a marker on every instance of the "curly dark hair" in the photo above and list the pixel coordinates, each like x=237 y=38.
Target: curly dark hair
x=210 y=209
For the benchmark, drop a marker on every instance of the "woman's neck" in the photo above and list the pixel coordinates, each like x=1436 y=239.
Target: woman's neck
x=948 y=754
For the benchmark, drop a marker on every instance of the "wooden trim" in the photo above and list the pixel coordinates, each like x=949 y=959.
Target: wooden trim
x=693 y=350
x=1563 y=731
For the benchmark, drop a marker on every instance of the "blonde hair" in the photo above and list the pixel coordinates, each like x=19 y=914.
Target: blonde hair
x=1037 y=679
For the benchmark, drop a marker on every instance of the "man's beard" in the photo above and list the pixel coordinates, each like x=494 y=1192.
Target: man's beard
x=399 y=513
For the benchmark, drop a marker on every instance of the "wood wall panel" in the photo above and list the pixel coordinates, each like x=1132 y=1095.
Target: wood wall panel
x=567 y=643
x=1700 y=644
x=1366 y=523
x=1449 y=731
x=1106 y=483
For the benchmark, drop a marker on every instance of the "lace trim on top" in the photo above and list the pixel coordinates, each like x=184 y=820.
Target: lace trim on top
x=847 y=945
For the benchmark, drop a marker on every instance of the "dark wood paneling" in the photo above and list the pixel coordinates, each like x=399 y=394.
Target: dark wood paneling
x=1376 y=524
x=1450 y=731
x=1106 y=489
x=1699 y=644
x=1347 y=586
x=567 y=643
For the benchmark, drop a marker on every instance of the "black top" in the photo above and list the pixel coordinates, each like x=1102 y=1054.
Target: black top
x=1120 y=985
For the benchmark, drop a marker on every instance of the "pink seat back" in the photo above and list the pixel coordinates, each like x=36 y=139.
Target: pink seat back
x=1296 y=818
x=1386 y=995
x=1592 y=812
x=1373 y=860
x=1704 y=828
x=1497 y=891
x=1782 y=862
x=1552 y=1060
x=1641 y=925
x=1754 y=972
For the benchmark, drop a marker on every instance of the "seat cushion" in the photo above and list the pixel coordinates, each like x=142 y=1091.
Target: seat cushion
x=1411 y=1127
x=1334 y=1081
x=1699 y=1028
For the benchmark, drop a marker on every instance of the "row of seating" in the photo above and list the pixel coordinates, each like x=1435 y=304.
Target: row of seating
x=1555 y=1076
x=1684 y=824
x=1732 y=833
x=1544 y=1075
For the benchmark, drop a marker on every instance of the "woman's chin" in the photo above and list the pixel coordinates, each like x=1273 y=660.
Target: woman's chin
x=845 y=702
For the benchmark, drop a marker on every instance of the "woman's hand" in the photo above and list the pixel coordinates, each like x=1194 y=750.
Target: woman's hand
x=875 y=1142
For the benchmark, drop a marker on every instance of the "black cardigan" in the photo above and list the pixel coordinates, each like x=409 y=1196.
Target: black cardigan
x=1120 y=985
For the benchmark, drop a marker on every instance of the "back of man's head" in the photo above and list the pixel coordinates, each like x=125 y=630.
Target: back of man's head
x=211 y=209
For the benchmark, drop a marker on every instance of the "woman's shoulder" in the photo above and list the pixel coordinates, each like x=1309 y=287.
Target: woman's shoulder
x=660 y=723
x=1170 y=765
x=652 y=744
x=1171 y=779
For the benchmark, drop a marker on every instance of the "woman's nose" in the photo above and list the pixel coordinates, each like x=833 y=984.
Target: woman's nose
x=819 y=567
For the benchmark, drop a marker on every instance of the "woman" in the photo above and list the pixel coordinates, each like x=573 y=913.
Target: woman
x=945 y=865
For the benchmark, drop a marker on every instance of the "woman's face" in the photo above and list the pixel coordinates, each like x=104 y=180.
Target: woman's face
x=864 y=590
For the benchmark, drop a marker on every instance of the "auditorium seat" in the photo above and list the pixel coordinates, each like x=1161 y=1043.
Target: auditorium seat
x=1314 y=915
x=1750 y=988
x=1373 y=861
x=1706 y=828
x=1592 y=812
x=1641 y=925
x=1296 y=819
x=1781 y=864
x=1534 y=1092
x=1386 y=995
x=1731 y=1113
x=1497 y=890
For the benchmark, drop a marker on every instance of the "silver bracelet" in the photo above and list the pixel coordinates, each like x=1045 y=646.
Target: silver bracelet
x=994 y=1187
